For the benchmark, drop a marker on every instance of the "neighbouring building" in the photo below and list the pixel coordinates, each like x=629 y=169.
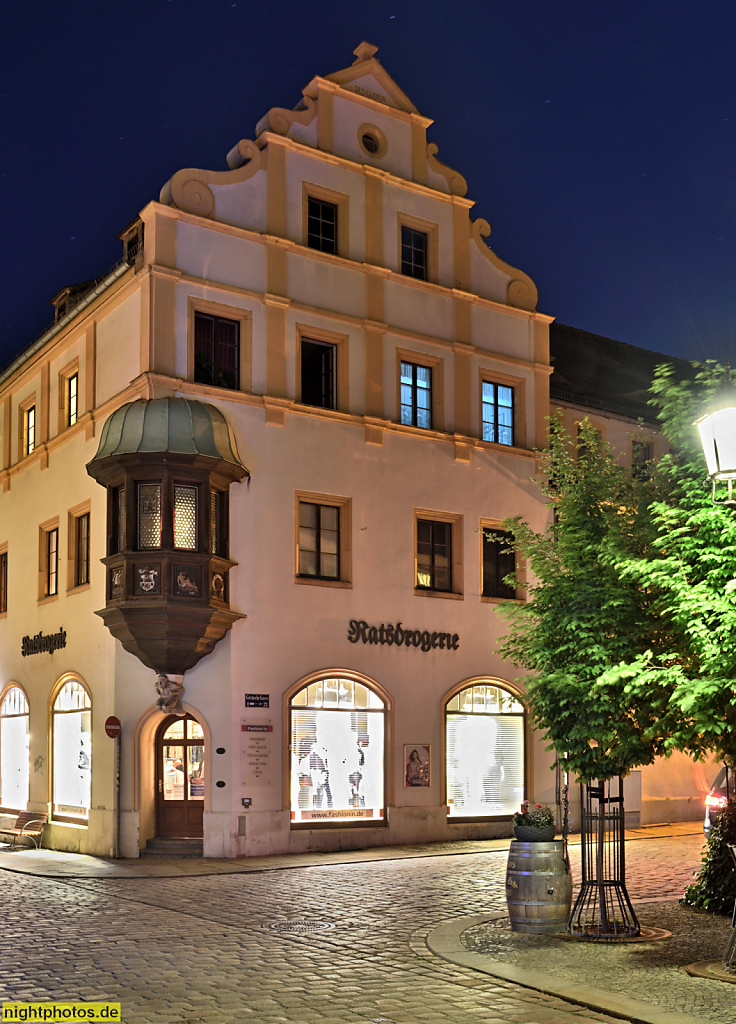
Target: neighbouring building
x=252 y=485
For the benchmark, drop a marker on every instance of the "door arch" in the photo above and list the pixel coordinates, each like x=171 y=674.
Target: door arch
x=180 y=765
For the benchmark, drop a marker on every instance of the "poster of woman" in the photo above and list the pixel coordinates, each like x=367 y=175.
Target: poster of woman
x=416 y=764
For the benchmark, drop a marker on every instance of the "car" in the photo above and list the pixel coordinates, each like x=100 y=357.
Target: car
x=721 y=792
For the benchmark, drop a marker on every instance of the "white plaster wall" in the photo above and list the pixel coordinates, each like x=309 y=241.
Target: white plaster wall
x=349 y=116
x=423 y=310
x=221 y=257
x=325 y=284
x=118 y=348
x=486 y=279
x=303 y=167
x=499 y=332
x=242 y=203
x=31 y=386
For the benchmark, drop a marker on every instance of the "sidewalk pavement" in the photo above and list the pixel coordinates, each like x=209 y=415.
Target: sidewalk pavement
x=643 y=982
x=56 y=864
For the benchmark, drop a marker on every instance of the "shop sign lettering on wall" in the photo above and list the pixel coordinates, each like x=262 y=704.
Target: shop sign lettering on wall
x=360 y=632
x=43 y=644
x=257 y=700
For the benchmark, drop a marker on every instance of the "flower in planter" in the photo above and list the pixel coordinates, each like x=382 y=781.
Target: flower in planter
x=538 y=816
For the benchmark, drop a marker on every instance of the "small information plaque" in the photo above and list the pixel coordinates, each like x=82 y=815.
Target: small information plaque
x=257 y=753
x=257 y=700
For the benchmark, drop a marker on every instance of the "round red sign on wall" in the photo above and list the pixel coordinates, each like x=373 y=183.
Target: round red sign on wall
x=113 y=727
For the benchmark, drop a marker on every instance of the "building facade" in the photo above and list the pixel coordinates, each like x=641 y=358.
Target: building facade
x=251 y=495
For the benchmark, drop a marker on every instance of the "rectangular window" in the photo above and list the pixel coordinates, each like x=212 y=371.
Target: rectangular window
x=416 y=395
x=498 y=562
x=318 y=373
x=3 y=582
x=52 y=562
x=218 y=523
x=29 y=430
x=185 y=517
x=414 y=253
x=216 y=351
x=149 y=516
x=321 y=225
x=641 y=458
x=117 y=520
x=319 y=541
x=81 y=571
x=498 y=413
x=434 y=555
x=72 y=386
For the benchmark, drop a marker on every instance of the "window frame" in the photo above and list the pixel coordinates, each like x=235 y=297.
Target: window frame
x=455 y=523
x=494 y=526
x=341 y=202
x=496 y=406
x=75 y=517
x=432 y=231
x=27 y=416
x=244 y=318
x=527 y=754
x=341 y=364
x=344 y=513
x=46 y=573
x=66 y=375
x=3 y=579
x=518 y=386
x=437 y=397
x=80 y=821
x=4 y=691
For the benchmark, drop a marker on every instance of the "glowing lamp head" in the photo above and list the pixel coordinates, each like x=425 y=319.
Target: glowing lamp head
x=718 y=438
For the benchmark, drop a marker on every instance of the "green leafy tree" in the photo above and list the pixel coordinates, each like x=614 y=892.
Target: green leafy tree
x=688 y=677
x=583 y=617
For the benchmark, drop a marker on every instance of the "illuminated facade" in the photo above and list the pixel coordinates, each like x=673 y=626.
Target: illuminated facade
x=309 y=396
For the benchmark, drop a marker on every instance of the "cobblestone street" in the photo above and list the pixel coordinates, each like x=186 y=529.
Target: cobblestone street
x=218 y=949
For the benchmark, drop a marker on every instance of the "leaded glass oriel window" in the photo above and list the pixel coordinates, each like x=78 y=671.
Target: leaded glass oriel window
x=185 y=517
x=149 y=516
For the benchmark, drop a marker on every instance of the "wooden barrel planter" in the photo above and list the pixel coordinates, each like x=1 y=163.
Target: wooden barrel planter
x=538 y=887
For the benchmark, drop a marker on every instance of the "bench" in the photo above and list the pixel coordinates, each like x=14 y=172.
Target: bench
x=28 y=823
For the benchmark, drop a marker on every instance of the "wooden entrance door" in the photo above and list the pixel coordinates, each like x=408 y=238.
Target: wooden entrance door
x=179 y=778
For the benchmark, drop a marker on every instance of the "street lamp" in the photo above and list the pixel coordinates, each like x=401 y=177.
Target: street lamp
x=718 y=438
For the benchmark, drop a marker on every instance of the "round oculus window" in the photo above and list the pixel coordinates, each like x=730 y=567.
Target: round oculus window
x=372 y=140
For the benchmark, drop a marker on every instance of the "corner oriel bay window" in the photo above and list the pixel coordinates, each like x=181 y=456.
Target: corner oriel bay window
x=72 y=752
x=185 y=517
x=416 y=395
x=484 y=740
x=149 y=516
x=498 y=413
x=337 y=746
x=216 y=351
x=319 y=541
x=434 y=555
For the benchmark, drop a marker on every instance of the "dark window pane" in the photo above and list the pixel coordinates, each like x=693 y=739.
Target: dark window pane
x=149 y=515
x=414 y=253
x=497 y=564
x=321 y=225
x=434 y=555
x=82 y=574
x=4 y=582
x=318 y=373
x=52 y=562
x=216 y=351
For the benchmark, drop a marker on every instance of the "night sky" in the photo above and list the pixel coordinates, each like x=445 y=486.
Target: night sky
x=598 y=137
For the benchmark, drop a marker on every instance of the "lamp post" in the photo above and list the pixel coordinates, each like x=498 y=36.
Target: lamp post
x=717 y=430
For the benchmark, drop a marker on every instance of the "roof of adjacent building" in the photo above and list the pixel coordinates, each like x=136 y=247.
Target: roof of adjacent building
x=600 y=373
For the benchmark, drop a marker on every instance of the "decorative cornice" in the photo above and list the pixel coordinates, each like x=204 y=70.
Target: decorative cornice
x=280 y=120
x=521 y=291
x=189 y=188
x=456 y=183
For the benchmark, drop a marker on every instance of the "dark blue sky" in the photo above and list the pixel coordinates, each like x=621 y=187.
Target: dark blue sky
x=598 y=137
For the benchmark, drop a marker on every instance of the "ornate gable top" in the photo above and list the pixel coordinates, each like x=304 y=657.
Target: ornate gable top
x=366 y=76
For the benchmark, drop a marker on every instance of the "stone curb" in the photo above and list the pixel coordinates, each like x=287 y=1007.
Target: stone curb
x=445 y=942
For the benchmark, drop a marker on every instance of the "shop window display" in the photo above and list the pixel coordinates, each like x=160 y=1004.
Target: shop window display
x=14 y=750
x=72 y=764
x=484 y=752
x=337 y=752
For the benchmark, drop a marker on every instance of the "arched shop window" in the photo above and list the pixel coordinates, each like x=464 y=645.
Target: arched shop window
x=15 y=773
x=484 y=743
x=337 y=752
x=72 y=759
